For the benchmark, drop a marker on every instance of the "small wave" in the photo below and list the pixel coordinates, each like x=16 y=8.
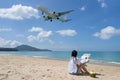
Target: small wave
x=40 y=57
x=114 y=62
x=104 y=62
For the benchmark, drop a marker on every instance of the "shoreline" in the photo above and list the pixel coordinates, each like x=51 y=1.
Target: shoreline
x=14 y=67
x=96 y=62
x=104 y=63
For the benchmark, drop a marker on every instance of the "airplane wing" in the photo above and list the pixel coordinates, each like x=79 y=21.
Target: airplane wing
x=65 y=12
x=54 y=15
x=44 y=10
x=63 y=20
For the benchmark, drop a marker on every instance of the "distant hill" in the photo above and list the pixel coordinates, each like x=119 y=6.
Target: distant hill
x=29 y=48
x=23 y=48
x=8 y=49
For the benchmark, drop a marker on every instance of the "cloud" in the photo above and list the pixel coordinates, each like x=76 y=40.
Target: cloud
x=5 y=29
x=9 y=43
x=31 y=38
x=107 y=33
x=102 y=3
x=68 y=32
x=19 y=12
x=83 y=8
x=35 y=29
x=41 y=34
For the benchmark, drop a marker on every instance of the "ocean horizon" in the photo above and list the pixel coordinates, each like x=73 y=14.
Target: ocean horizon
x=96 y=56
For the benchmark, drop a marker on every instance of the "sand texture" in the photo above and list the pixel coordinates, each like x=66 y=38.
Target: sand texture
x=29 y=68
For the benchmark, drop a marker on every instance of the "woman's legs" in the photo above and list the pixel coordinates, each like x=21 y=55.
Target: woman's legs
x=83 y=69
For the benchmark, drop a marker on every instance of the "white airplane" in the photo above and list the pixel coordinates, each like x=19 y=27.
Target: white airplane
x=54 y=15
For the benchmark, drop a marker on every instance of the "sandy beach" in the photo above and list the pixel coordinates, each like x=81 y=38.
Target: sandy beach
x=29 y=68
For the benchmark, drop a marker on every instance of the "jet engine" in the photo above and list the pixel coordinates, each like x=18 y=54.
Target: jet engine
x=47 y=18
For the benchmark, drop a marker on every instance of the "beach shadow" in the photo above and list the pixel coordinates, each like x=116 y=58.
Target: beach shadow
x=80 y=74
x=98 y=75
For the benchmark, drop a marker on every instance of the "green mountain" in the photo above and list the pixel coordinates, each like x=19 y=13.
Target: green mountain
x=29 y=48
x=23 y=48
x=8 y=49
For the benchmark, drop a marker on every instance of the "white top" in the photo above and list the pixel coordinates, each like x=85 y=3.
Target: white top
x=72 y=66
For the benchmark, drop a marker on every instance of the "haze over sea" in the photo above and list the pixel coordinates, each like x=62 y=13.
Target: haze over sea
x=97 y=56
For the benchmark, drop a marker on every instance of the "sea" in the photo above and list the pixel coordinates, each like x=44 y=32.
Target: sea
x=96 y=56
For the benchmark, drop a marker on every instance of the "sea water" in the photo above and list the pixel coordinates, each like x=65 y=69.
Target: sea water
x=100 y=56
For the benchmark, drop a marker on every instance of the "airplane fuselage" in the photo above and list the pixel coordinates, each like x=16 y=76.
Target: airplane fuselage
x=53 y=15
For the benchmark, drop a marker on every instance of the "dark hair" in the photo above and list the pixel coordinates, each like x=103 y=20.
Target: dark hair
x=74 y=53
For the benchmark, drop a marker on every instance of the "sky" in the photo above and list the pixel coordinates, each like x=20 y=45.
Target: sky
x=94 y=25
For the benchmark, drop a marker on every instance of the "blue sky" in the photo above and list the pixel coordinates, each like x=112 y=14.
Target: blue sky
x=95 y=25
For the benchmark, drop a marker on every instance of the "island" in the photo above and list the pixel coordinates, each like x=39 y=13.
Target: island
x=23 y=48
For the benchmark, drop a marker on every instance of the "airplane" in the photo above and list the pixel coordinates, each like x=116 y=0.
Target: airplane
x=54 y=15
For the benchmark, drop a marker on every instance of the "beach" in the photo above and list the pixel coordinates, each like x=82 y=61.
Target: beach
x=30 y=68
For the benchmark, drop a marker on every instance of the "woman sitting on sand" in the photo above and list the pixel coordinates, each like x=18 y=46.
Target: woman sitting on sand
x=75 y=66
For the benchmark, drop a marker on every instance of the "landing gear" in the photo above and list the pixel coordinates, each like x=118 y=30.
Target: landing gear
x=53 y=12
x=51 y=20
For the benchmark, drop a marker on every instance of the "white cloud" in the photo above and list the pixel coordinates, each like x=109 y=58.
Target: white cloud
x=102 y=3
x=5 y=29
x=14 y=43
x=41 y=34
x=9 y=43
x=31 y=38
x=107 y=33
x=68 y=32
x=83 y=8
x=18 y=12
x=35 y=29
